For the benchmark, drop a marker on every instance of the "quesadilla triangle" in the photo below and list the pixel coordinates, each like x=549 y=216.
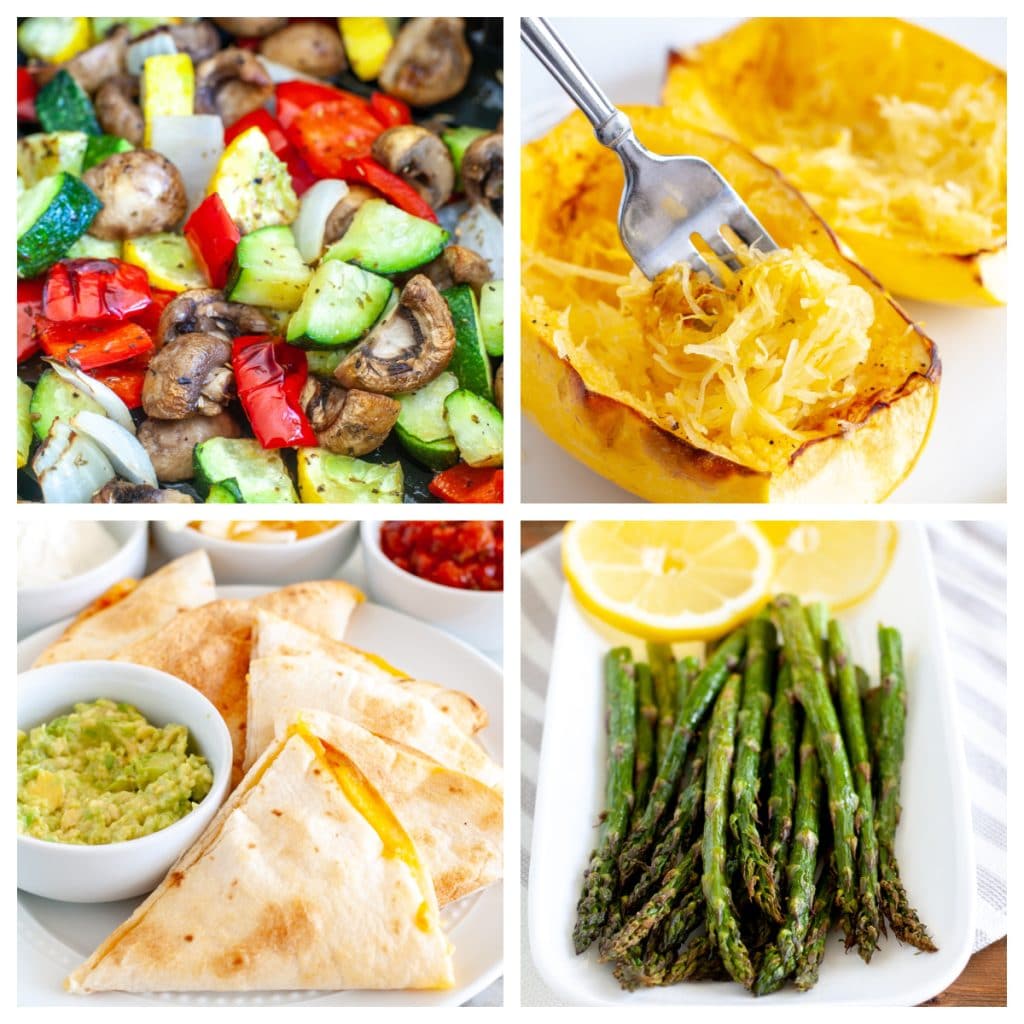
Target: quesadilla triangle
x=274 y=635
x=141 y=611
x=209 y=647
x=313 y=681
x=305 y=879
x=454 y=820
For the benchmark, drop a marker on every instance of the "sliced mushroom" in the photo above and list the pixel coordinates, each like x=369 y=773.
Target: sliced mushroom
x=348 y=422
x=117 y=110
x=232 y=83
x=170 y=443
x=206 y=311
x=199 y=39
x=91 y=68
x=309 y=47
x=340 y=217
x=190 y=375
x=483 y=169
x=141 y=191
x=429 y=62
x=499 y=387
x=407 y=350
x=456 y=265
x=121 y=492
x=420 y=158
x=248 y=28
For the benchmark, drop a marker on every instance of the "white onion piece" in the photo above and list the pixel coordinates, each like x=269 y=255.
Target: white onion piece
x=314 y=208
x=193 y=143
x=124 y=451
x=69 y=466
x=480 y=230
x=97 y=391
x=159 y=44
x=282 y=73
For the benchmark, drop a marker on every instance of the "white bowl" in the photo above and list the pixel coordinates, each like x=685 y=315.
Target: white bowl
x=472 y=615
x=238 y=561
x=41 y=606
x=117 y=871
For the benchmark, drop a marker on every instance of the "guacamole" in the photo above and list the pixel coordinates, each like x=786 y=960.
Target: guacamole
x=103 y=774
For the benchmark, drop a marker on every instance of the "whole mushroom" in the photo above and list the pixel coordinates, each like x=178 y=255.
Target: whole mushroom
x=429 y=63
x=483 y=169
x=123 y=492
x=408 y=349
x=348 y=422
x=141 y=191
x=190 y=375
x=117 y=109
x=232 y=83
x=309 y=47
x=198 y=39
x=207 y=311
x=420 y=158
x=171 y=443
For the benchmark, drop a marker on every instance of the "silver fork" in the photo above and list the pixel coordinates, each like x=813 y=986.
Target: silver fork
x=667 y=199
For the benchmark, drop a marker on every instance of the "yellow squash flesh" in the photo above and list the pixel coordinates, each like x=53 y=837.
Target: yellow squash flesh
x=571 y=188
x=810 y=96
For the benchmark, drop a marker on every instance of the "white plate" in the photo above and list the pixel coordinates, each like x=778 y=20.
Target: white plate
x=972 y=342
x=54 y=937
x=934 y=842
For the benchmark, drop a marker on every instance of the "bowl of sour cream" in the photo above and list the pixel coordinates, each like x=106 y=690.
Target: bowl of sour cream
x=63 y=566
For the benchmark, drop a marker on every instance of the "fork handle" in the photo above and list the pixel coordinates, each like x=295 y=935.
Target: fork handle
x=611 y=125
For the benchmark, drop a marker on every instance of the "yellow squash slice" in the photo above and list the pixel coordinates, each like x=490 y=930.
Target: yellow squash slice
x=895 y=135
x=801 y=380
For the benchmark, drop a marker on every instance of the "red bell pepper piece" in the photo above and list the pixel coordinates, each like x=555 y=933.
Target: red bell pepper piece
x=30 y=306
x=27 y=90
x=302 y=176
x=91 y=346
x=125 y=380
x=469 y=484
x=77 y=291
x=367 y=171
x=149 y=319
x=389 y=110
x=213 y=237
x=330 y=135
x=296 y=96
x=270 y=375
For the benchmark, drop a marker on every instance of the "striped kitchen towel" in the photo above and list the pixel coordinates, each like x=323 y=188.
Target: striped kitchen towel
x=970 y=563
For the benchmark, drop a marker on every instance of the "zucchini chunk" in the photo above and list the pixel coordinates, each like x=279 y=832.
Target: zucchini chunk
x=477 y=426
x=387 y=240
x=242 y=469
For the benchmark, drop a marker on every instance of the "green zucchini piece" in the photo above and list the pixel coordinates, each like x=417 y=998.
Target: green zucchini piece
x=268 y=270
x=55 y=397
x=458 y=140
x=99 y=147
x=492 y=317
x=63 y=106
x=469 y=361
x=246 y=471
x=323 y=362
x=93 y=248
x=221 y=495
x=341 y=304
x=422 y=428
x=477 y=426
x=328 y=478
x=387 y=240
x=45 y=154
x=51 y=216
x=24 y=423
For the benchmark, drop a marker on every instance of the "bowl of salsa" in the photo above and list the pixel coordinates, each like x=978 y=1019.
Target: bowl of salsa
x=449 y=573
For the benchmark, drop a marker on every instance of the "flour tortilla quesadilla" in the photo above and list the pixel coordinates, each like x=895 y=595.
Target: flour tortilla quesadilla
x=274 y=635
x=185 y=583
x=313 y=681
x=454 y=820
x=210 y=647
x=305 y=879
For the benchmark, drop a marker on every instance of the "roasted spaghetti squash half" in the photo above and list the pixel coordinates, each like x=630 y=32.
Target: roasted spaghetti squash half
x=895 y=135
x=795 y=379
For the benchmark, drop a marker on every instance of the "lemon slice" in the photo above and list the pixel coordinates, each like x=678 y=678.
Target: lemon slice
x=839 y=563
x=668 y=580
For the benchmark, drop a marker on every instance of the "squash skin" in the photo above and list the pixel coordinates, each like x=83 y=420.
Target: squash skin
x=622 y=444
x=875 y=55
